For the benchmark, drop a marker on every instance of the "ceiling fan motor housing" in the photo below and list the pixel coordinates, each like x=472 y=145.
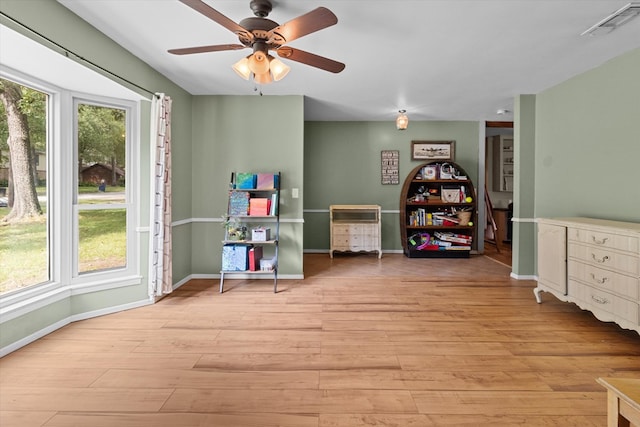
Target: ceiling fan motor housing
x=260 y=28
x=260 y=8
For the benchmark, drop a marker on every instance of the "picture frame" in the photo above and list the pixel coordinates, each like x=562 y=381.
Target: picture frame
x=433 y=150
x=389 y=166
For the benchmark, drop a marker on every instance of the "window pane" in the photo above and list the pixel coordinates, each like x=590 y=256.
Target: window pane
x=102 y=239
x=24 y=254
x=101 y=154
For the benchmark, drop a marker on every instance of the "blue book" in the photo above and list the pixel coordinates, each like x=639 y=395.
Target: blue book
x=245 y=181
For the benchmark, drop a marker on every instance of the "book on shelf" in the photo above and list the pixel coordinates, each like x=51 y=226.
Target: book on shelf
x=245 y=181
x=255 y=255
x=238 y=203
x=259 y=206
x=266 y=181
x=273 y=208
x=457 y=248
x=453 y=237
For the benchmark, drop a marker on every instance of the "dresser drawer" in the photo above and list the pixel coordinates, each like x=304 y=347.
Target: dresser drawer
x=609 y=281
x=347 y=229
x=353 y=230
x=600 y=302
x=605 y=240
x=605 y=258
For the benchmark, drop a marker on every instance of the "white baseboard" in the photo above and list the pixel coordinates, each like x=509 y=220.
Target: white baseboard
x=63 y=322
x=524 y=276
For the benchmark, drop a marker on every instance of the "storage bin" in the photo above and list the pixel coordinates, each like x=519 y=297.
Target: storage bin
x=261 y=234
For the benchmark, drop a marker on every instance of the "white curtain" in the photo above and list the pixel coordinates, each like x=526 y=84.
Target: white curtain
x=160 y=280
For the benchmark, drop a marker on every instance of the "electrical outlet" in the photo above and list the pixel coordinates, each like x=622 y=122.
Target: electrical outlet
x=294 y=193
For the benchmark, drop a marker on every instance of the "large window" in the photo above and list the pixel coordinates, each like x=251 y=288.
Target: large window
x=67 y=186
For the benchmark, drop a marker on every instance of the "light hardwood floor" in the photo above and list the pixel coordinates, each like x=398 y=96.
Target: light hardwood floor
x=359 y=342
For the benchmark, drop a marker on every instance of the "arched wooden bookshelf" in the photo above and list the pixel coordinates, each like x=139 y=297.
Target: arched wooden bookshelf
x=433 y=217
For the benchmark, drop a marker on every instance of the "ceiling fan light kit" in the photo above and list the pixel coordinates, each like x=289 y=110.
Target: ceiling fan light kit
x=262 y=35
x=242 y=68
x=278 y=68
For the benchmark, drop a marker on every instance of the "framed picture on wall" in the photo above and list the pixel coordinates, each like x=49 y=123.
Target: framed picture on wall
x=390 y=162
x=433 y=150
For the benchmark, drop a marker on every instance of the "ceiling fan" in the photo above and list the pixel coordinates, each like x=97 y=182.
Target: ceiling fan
x=263 y=35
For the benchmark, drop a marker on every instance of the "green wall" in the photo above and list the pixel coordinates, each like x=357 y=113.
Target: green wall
x=588 y=144
x=587 y=149
x=342 y=166
x=524 y=229
x=245 y=134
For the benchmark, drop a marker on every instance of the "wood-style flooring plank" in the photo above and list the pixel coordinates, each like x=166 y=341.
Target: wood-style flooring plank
x=82 y=399
x=498 y=403
x=295 y=362
x=69 y=360
x=291 y=401
x=421 y=420
x=198 y=378
x=437 y=380
x=47 y=377
x=24 y=418
x=178 y=420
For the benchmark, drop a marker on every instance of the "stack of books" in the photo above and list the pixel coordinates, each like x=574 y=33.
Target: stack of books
x=453 y=241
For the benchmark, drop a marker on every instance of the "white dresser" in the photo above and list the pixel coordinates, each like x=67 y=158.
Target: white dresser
x=593 y=263
x=355 y=228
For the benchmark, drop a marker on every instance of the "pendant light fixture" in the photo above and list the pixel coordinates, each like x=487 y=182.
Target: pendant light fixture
x=402 y=121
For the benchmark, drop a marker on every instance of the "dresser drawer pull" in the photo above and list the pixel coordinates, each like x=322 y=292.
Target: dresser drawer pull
x=599 y=300
x=599 y=242
x=600 y=260
x=600 y=281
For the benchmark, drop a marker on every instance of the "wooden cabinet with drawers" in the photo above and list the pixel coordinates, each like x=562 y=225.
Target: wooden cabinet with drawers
x=602 y=267
x=355 y=228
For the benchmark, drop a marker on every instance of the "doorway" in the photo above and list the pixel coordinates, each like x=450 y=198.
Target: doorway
x=499 y=174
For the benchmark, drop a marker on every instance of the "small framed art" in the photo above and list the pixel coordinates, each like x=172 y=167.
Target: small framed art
x=390 y=162
x=433 y=150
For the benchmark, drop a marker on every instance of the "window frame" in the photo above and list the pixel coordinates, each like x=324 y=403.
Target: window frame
x=61 y=193
x=130 y=194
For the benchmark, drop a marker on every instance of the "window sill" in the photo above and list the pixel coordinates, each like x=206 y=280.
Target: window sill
x=25 y=302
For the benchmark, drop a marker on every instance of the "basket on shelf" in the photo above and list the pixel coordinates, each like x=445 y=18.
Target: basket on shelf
x=464 y=217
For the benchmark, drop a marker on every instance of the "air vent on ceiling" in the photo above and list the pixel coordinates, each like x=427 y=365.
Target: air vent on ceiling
x=615 y=20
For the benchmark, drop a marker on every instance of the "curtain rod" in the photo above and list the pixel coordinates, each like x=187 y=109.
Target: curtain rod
x=68 y=52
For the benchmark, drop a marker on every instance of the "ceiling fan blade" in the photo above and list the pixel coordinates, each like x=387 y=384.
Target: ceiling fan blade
x=305 y=24
x=214 y=15
x=204 y=49
x=310 y=59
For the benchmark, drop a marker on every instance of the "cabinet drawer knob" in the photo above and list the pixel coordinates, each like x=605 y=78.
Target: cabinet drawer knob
x=599 y=300
x=600 y=260
x=599 y=242
x=601 y=281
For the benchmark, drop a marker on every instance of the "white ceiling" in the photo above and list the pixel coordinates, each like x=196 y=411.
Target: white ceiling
x=438 y=59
